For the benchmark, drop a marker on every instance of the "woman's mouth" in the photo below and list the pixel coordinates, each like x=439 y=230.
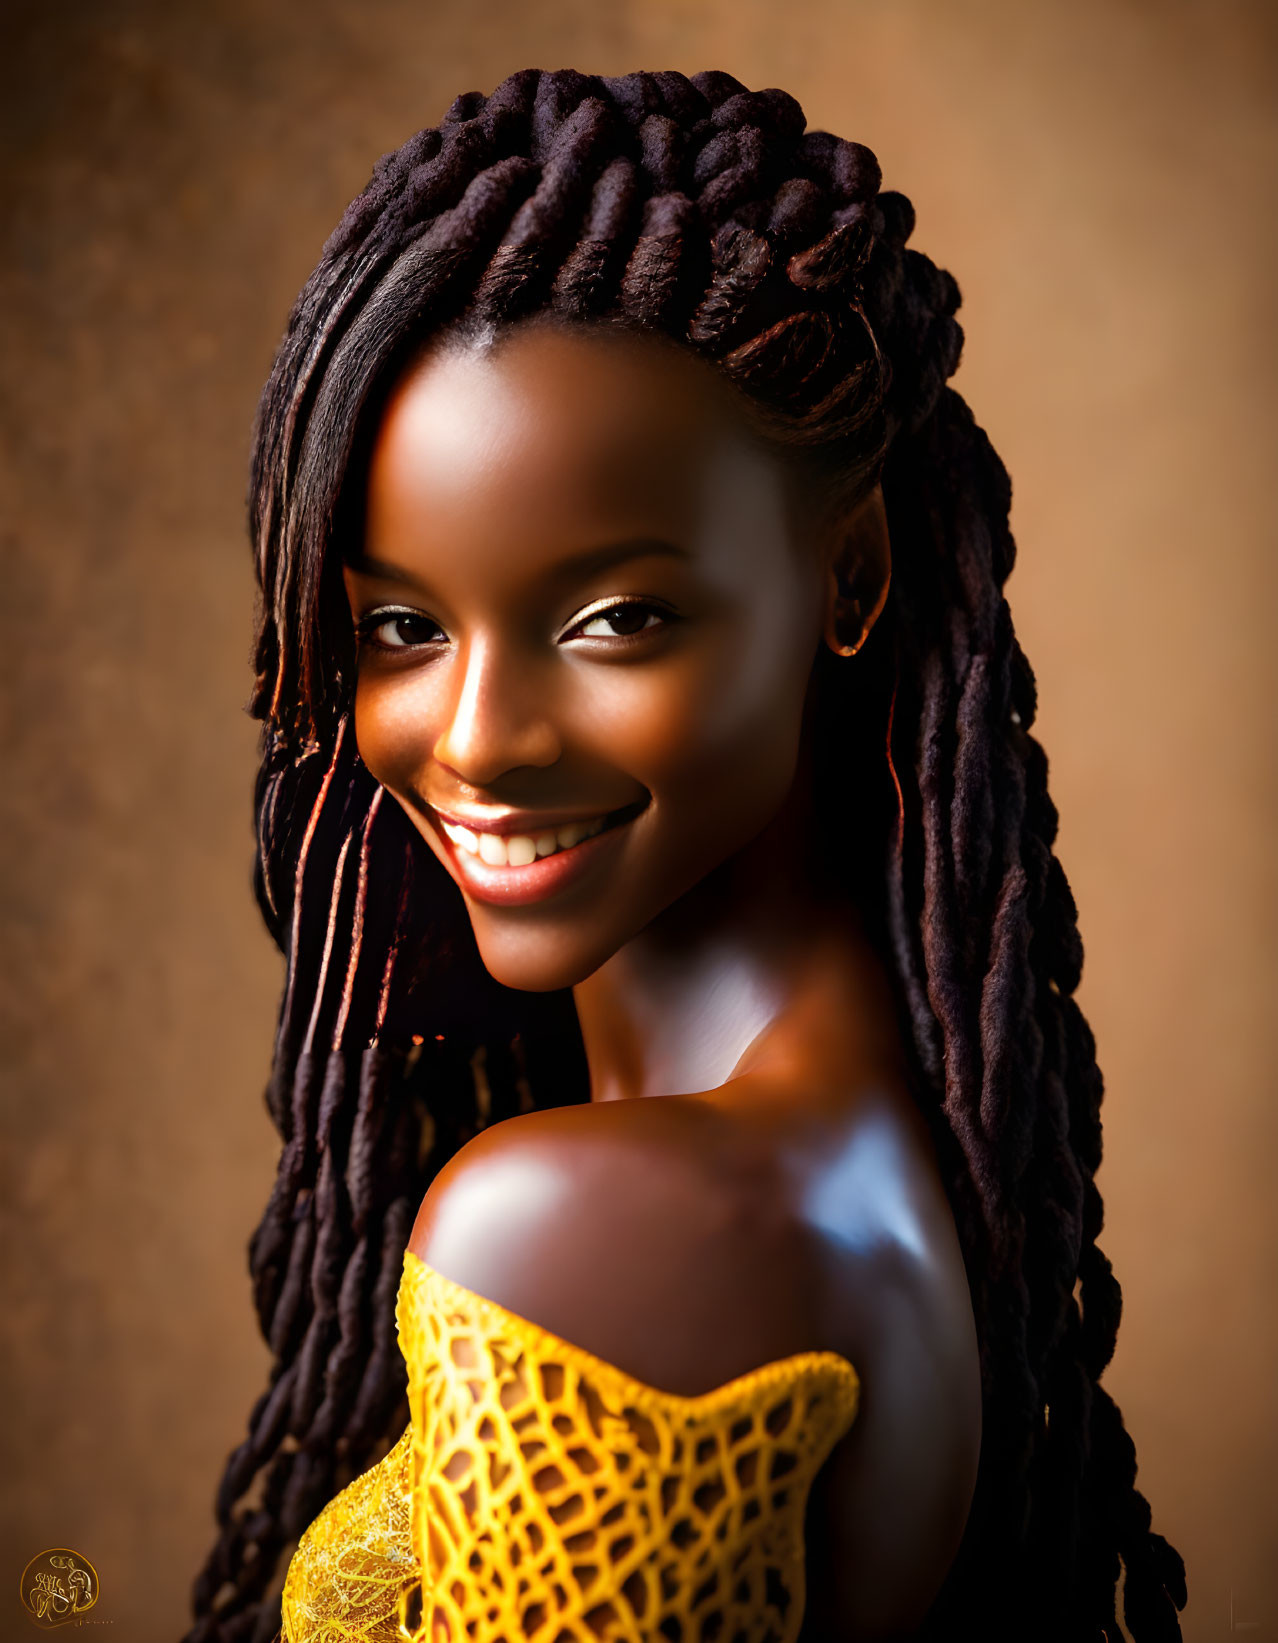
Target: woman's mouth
x=513 y=869
x=520 y=849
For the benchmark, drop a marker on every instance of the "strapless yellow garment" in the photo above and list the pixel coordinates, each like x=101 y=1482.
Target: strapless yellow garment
x=540 y=1495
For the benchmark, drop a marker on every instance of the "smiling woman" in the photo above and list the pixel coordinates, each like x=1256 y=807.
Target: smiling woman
x=678 y=1042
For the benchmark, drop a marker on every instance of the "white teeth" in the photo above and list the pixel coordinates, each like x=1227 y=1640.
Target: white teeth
x=492 y=849
x=463 y=836
x=520 y=849
x=576 y=831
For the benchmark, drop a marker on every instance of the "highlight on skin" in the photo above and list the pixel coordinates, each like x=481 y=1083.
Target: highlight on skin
x=694 y=209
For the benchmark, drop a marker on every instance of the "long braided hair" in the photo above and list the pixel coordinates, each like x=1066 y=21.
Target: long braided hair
x=700 y=210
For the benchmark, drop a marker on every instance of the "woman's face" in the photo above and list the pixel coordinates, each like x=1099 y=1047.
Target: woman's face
x=587 y=622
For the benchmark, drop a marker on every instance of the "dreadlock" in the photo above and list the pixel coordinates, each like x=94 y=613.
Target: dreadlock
x=702 y=211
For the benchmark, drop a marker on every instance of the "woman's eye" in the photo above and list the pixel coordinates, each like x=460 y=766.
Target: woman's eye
x=620 y=621
x=398 y=629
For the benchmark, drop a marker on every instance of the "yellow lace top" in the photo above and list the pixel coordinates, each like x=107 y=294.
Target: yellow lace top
x=540 y=1495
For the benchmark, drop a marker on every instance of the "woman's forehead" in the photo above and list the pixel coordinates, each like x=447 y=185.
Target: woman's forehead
x=561 y=423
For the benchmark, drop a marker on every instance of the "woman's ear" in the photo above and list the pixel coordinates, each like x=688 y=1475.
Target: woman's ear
x=858 y=570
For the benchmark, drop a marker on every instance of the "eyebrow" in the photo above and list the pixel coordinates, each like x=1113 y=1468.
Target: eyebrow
x=586 y=563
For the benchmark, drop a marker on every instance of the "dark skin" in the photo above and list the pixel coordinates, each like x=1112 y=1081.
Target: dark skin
x=588 y=595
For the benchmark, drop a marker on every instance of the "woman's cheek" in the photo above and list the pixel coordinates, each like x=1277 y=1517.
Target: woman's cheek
x=654 y=720
x=725 y=740
x=395 y=727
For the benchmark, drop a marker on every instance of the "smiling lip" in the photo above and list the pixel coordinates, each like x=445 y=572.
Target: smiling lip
x=548 y=875
x=530 y=822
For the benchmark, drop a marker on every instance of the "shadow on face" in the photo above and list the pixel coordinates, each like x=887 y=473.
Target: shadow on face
x=587 y=617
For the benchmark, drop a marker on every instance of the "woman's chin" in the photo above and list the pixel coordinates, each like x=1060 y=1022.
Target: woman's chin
x=530 y=965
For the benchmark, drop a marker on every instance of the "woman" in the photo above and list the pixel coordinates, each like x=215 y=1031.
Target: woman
x=650 y=817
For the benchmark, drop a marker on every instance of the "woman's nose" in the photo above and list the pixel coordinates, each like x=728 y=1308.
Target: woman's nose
x=497 y=721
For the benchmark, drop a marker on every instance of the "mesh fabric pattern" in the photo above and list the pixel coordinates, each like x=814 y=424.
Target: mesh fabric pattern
x=541 y=1495
x=355 y=1562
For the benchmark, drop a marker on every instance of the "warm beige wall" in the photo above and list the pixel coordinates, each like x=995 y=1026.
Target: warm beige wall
x=1099 y=175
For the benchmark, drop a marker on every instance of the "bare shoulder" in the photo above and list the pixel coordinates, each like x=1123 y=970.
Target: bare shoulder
x=689 y=1239
x=655 y=1233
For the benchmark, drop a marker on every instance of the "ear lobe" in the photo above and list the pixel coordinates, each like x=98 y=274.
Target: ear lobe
x=858 y=574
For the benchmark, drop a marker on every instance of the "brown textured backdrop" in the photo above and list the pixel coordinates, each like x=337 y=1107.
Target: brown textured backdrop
x=1099 y=174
